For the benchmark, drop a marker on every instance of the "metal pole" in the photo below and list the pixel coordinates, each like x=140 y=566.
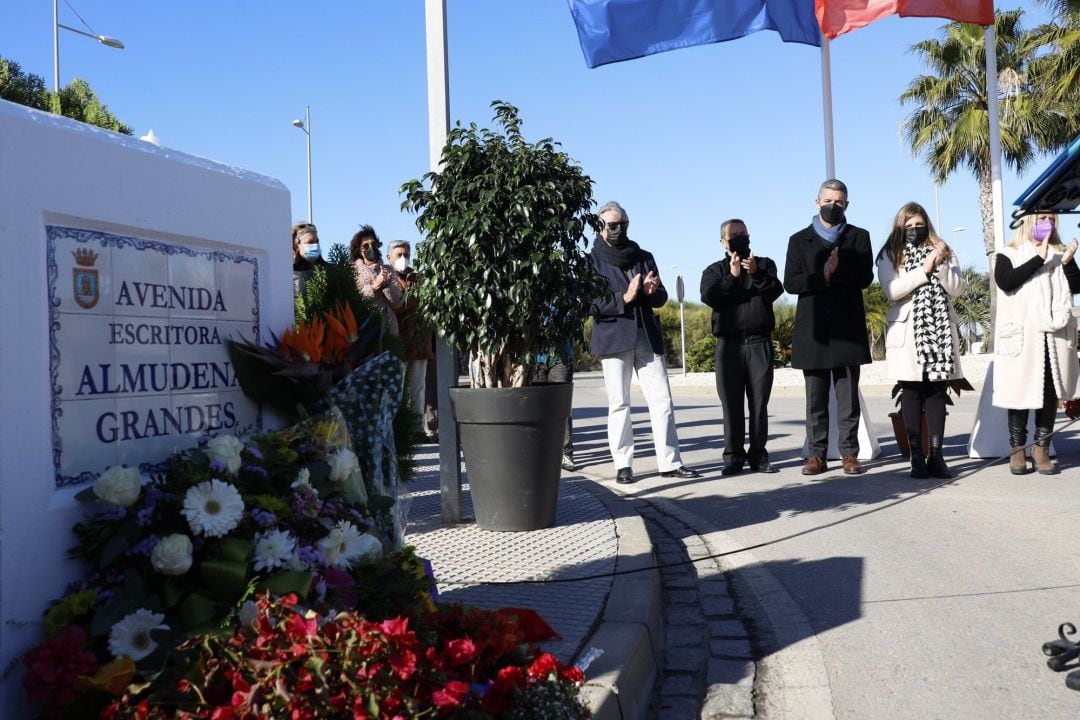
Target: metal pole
x=307 y=126
x=56 y=47
x=826 y=101
x=682 y=331
x=992 y=106
x=438 y=84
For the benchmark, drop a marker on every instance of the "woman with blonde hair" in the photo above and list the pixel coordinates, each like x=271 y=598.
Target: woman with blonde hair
x=1035 y=359
x=920 y=275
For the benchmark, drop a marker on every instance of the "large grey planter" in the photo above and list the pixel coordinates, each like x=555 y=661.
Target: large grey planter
x=511 y=439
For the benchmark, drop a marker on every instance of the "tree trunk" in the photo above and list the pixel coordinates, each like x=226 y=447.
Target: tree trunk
x=986 y=209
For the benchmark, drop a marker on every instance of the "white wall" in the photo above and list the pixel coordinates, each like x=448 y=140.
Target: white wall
x=55 y=171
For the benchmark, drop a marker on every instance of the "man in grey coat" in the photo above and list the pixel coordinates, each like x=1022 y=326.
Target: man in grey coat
x=626 y=336
x=828 y=266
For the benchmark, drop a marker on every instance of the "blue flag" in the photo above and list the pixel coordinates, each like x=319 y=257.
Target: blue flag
x=616 y=30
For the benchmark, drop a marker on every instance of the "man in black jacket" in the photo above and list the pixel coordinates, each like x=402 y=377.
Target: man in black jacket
x=828 y=265
x=626 y=336
x=741 y=290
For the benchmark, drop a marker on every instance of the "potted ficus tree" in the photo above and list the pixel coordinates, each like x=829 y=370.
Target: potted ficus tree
x=506 y=278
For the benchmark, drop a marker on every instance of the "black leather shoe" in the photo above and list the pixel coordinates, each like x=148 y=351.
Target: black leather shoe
x=731 y=469
x=680 y=472
x=764 y=467
x=624 y=476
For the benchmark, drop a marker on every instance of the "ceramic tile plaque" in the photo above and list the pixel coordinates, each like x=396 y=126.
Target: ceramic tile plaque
x=137 y=349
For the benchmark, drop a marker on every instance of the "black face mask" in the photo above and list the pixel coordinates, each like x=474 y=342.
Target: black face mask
x=832 y=214
x=616 y=234
x=739 y=245
x=371 y=254
x=916 y=235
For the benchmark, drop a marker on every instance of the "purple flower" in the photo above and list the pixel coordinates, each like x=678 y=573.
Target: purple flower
x=144 y=546
x=254 y=452
x=311 y=555
x=262 y=518
x=113 y=512
x=203 y=439
x=256 y=470
x=218 y=466
x=305 y=501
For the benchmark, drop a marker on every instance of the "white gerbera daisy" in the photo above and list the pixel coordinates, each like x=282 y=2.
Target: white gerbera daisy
x=345 y=545
x=213 y=508
x=273 y=549
x=131 y=636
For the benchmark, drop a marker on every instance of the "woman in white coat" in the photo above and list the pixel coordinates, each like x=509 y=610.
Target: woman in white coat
x=1035 y=335
x=920 y=276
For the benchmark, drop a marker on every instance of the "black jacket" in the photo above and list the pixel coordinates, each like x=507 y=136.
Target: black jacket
x=615 y=323
x=741 y=306
x=830 y=320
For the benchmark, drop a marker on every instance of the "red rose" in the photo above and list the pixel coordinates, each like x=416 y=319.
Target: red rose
x=461 y=651
x=572 y=673
x=451 y=695
x=543 y=666
x=53 y=666
x=394 y=627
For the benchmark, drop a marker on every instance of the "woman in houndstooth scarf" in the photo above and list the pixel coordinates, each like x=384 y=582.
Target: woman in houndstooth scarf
x=920 y=276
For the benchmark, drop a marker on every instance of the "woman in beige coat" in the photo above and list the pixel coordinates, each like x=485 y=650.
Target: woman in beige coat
x=1035 y=335
x=920 y=276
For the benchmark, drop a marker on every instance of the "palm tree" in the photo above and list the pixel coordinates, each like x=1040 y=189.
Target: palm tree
x=973 y=308
x=877 y=308
x=1059 y=68
x=949 y=126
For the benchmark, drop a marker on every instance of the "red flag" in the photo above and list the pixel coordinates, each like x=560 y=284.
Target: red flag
x=837 y=17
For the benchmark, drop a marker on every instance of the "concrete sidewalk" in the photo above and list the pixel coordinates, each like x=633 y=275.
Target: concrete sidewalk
x=565 y=573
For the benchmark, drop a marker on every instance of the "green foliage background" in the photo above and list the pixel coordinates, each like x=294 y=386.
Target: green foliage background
x=76 y=100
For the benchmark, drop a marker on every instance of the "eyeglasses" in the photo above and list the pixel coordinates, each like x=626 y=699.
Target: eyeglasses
x=622 y=224
x=365 y=246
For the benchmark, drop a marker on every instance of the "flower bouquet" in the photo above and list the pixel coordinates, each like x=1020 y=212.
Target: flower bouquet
x=186 y=551
x=285 y=661
x=294 y=373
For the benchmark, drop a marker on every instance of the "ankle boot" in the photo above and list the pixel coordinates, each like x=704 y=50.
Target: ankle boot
x=1018 y=460
x=918 y=462
x=1040 y=452
x=1017 y=440
x=935 y=461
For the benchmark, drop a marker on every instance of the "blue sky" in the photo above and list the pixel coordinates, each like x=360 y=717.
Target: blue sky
x=683 y=140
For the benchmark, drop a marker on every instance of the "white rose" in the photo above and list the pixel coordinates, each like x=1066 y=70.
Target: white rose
x=342 y=464
x=225 y=449
x=172 y=555
x=303 y=478
x=119 y=486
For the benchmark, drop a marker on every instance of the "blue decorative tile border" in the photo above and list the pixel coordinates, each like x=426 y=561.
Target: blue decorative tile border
x=97 y=238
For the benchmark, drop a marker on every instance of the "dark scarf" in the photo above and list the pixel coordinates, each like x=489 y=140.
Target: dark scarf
x=623 y=257
x=930 y=313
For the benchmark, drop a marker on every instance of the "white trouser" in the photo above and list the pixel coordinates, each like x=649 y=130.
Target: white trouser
x=652 y=374
x=417 y=372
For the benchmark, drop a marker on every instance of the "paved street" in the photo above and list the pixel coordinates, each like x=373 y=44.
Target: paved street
x=934 y=608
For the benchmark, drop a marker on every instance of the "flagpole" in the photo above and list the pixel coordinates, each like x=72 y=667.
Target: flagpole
x=826 y=101
x=992 y=108
x=438 y=85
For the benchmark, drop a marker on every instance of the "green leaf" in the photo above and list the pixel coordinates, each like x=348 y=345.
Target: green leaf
x=236 y=550
x=290 y=581
x=196 y=611
x=227 y=579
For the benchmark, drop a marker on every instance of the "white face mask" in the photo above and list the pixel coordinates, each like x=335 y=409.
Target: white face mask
x=401 y=263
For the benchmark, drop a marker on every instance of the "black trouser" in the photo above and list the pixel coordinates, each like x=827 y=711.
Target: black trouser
x=744 y=369
x=1044 y=416
x=560 y=372
x=917 y=397
x=846 y=381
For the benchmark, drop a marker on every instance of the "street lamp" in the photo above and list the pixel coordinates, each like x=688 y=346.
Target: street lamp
x=103 y=39
x=305 y=125
x=679 y=292
x=956 y=231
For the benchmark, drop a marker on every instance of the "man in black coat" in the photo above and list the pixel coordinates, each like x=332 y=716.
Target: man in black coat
x=626 y=336
x=828 y=265
x=741 y=290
